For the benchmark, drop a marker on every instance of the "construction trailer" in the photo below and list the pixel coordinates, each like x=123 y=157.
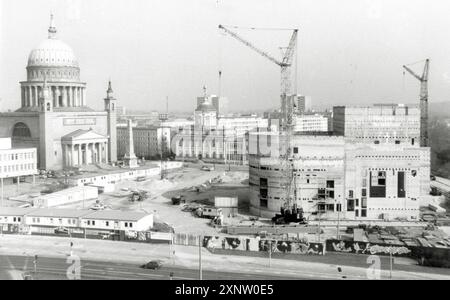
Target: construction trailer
x=228 y=205
x=67 y=196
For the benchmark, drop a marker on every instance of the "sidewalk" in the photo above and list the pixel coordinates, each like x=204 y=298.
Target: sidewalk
x=185 y=256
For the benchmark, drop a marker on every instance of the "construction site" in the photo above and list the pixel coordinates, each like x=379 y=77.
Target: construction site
x=364 y=187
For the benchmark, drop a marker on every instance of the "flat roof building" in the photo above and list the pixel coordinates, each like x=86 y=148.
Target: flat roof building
x=380 y=123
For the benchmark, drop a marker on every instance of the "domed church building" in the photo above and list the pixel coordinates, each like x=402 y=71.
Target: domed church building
x=54 y=116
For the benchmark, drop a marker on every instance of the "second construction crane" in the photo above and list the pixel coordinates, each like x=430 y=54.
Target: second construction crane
x=423 y=101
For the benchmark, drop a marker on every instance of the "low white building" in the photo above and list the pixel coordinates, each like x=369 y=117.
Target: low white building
x=118 y=220
x=52 y=217
x=118 y=175
x=110 y=220
x=66 y=196
x=14 y=215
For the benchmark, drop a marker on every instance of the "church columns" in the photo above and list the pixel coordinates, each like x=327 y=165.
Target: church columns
x=78 y=96
x=106 y=152
x=79 y=154
x=57 y=94
x=75 y=92
x=74 y=96
x=64 y=96
x=84 y=96
x=69 y=96
x=34 y=93
x=22 y=95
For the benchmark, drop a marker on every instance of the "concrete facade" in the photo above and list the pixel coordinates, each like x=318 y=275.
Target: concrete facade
x=335 y=177
x=384 y=123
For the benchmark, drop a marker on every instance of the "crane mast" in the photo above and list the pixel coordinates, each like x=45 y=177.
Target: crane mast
x=423 y=101
x=287 y=109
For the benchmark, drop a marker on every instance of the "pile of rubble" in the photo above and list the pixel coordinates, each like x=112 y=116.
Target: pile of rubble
x=431 y=236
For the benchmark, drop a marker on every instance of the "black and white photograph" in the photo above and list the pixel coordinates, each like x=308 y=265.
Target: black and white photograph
x=224 y=146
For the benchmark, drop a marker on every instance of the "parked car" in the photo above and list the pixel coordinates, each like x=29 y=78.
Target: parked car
x=105 y=235
x=98 y=206
x=207 y=168
x=152 y=265
x=61 y=230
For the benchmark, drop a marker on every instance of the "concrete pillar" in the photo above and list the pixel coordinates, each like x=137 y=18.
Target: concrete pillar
x=69 y=97
x=84 y=97
x=28 y=96
x=79 y=155
x=64 y=96
x=74 y=94
x=36 y=96
x=106 y=152
x=56 y=96
x=79 y=96
x=22 y=97
x=93 y=153
x=31 y=94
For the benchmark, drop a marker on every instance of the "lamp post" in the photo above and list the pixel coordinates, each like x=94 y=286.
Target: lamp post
x=270 y=253
x=200 y=271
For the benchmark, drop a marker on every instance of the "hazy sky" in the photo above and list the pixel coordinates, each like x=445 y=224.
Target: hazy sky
x=350 y=51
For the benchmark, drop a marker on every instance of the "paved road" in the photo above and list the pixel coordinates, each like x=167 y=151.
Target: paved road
x=13 y=267
x=350 y=260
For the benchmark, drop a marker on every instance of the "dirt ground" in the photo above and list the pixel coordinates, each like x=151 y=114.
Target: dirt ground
x=179 y=182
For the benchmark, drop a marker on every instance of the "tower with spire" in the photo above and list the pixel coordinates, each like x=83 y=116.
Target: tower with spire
x=110 y=108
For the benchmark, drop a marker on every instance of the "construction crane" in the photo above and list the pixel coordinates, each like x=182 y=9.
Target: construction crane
x=285 y=63
x=290 y=212
x=423 y=101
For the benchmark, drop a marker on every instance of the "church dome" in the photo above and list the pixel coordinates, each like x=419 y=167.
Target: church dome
x=52 y=53
x=205 y=107
x=53 y=59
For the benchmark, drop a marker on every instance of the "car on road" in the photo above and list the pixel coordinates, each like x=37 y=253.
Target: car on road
x=98 y=206
x=207 y=168
x=61 y=230
x=152 y=265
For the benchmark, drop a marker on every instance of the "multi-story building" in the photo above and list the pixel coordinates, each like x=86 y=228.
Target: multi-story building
x=332 y=175
x=148 y=141
x=374 y=168
x=214 y=138
x=16 y=162
x=310 y=123
x=382 y=123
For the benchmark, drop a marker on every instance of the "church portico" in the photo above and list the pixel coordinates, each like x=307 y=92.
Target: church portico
x=84 y=147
